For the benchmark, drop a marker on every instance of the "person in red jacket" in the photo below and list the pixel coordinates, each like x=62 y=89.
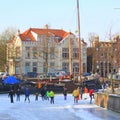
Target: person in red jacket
x=91 y=91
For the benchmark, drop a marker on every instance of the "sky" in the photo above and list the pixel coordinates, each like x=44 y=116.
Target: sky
x=96 y=16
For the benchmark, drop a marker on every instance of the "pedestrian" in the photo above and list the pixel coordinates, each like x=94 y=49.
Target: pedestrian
x=27 y=94
x=75 y=95
x=11 y=95
x=65 y=93
x=52 y=94
x=91 y=95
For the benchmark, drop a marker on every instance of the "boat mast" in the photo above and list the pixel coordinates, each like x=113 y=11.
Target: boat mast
x=70 y=55
x=79 y=43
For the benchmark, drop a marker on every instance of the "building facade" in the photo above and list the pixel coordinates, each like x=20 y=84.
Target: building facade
x=45 y=50
x=104 y=56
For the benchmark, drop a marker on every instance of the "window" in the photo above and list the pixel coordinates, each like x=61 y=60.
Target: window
x=34 y=66
x=51 y=69
x=75 y=68
x=27 y=67
x=28 y=39
x=17 y=52
x=65 y=66
x=45 y=55
x=65 y=53
x=39 y=38
x=35 y=54
x=75 y=52
x=27 y=53
x=17 y=68
x=102 y=54
x=45 y=67
x=52 y=64
x=52 y=53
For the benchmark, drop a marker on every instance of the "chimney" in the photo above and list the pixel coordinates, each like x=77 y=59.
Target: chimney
x=18 y=32
x=46 y=26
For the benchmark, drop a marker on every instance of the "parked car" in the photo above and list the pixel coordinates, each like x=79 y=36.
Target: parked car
x=32 y=74
x=51 y=74
x=62 y=74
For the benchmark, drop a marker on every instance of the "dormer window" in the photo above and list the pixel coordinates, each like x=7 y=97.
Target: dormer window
x=58 y=38
x=28 y=39
x=39 y=38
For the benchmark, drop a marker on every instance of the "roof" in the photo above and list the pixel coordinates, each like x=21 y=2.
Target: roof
x=28 y=34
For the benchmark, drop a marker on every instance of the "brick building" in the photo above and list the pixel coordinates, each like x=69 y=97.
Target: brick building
x=104 y=56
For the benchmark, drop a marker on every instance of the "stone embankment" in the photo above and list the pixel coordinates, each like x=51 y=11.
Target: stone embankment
x=107 y=100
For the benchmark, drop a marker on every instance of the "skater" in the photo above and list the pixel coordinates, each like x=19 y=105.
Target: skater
x=85 y=92
x=52 y=94
x=11 y=94
x=75 y=95
x=43 y=93
x=27 y=94
x=81 y=92
x=47 y=95
x=36 y=96
x=78 y=89
x=91 y=95
x=65 y=93
x=18 y=94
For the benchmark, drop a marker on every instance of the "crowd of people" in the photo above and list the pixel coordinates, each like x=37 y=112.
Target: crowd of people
x=78 y=94
x=46 y=94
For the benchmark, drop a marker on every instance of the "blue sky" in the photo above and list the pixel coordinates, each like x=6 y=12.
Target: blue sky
x=96 y=16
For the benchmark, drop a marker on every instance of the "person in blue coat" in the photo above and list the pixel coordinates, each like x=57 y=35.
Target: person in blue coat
x=27 y=94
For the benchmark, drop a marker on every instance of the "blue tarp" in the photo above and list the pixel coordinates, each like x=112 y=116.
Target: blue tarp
x=11 y=80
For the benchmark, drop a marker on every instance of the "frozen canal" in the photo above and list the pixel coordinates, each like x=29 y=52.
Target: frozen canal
x=61 y=110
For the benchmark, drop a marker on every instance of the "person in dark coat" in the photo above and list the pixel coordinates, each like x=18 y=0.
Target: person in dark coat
x=36 y=96
x=27 y=94
x=18 y=92
x=11 y=95
x=81 y=92
x=65 y=93
x=43 y=93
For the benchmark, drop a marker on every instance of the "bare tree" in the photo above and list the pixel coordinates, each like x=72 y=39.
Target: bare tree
x=4 y=37
x=91 y=37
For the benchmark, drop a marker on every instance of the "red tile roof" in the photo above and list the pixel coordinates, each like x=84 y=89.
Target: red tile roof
x=28 y=33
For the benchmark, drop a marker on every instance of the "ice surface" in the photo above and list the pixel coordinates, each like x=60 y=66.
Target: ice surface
x=60 y=110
